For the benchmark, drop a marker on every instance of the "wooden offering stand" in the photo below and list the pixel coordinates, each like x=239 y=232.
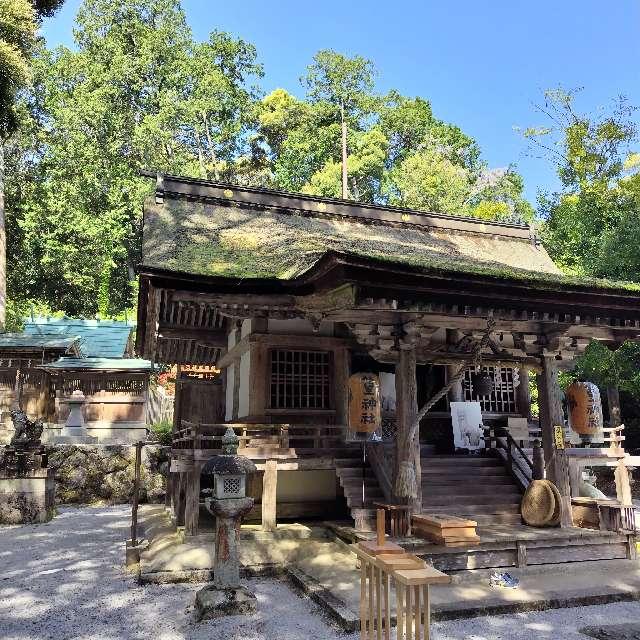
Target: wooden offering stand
x=444 y=529
x=384 y=566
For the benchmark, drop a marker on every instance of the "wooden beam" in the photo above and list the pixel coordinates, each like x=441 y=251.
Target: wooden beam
x=213 y=338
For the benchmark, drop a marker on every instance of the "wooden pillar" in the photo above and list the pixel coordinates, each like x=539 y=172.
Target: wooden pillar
x=168 y=496
x=341 y=384
x=456 y=393
x=406 y=410
x=269 y=492
x=192 y=501
x=523 y=393
x=179 y=508
x=177 y=401
x=613 y=399
x=551 y=414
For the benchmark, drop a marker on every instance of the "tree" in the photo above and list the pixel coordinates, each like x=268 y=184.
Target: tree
x=346 y=83
x=136 y=92
x=590 y=223
x=18 y=27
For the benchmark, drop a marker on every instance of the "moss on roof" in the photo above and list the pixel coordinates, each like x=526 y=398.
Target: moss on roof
x=239 y=242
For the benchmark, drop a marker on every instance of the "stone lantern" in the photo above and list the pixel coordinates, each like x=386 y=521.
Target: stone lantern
x=225 y=596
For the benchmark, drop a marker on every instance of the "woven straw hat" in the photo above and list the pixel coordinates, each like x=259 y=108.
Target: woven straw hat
x=538 y=504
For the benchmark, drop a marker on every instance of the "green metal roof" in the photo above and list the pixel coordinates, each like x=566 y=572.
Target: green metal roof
x=99 y=338
x=99 y=364
x=39 y=341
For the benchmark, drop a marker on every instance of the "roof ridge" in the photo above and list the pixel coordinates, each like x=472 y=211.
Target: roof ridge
x=262 y=197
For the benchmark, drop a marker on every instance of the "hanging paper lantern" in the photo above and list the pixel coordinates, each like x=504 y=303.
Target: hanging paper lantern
x=364 y=403
x=481 y=383
x=585 y=408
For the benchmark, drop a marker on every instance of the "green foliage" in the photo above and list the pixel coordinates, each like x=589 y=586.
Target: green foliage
x=162 y=431
x=137 y=91
x=592 y=225
x=607 y=368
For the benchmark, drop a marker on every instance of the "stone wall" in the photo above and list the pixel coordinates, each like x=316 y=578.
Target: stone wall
x=89 y=473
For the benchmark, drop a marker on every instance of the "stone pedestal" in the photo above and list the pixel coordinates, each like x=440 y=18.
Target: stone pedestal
x=75 y=430
x=212 y=602
x=27 y=499
x=226 y=597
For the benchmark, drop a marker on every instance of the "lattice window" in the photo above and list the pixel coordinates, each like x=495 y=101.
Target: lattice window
x=300 y=379
x=231 y=485
x=503 y=397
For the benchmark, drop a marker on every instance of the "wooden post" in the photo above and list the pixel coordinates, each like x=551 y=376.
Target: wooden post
x=551 y=414
x=136 y=493
x=192 y=501
x=380 y=522
x=406 y=410
x=177 y=401
x=623 y=488
x=613 y=399
x=179 y=511
x=523 y=393
x=269 y=491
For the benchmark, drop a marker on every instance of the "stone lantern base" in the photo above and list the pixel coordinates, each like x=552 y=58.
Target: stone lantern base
x=212 y=602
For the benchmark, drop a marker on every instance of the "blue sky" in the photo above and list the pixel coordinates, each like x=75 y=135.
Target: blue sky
x=481 y=64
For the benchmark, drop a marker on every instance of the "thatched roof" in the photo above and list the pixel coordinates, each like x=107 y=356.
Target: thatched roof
x=238 y=232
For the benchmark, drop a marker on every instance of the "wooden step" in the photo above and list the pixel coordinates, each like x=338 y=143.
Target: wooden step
x=479 y=475
x=461 y=502
x=467 y=461
x=465 y=488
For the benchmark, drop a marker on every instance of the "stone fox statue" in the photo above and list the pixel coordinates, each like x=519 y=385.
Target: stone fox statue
x=27 y=432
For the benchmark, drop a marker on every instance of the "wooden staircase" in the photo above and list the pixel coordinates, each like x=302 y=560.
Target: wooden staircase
x=474 y=487
x=350 y=476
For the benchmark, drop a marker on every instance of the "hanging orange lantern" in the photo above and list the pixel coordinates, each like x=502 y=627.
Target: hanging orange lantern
x=364 y=403
x=585 y=408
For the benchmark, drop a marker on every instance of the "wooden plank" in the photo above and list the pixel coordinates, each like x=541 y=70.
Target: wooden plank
x=269 y=491
x=426 y=575
x=373 y=548
x=378 y=574
x=442 y=521
x=363 y=605
x=408 y=619
x=387 y=606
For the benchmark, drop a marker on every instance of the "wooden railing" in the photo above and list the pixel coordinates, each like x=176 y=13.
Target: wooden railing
x=193 y=435
x=518 y=462
x=381 y=458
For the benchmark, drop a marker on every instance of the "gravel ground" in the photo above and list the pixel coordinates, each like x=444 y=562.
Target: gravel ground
x=64 y=580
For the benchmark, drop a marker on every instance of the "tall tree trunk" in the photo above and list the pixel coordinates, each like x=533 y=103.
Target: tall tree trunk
x=345 y=189
x=3 y=246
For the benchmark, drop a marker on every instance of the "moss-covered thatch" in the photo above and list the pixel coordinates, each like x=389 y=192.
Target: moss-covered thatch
x=237 y=242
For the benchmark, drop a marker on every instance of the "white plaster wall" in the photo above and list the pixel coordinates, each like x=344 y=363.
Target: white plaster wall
x=231 y=339
x=228 y=400
x=243 y=401
x=299 y=326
